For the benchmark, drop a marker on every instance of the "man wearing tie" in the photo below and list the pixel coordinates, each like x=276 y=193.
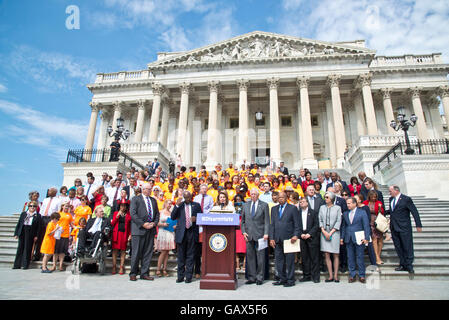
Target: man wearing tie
x=90 y=189
x=255 y=225
x=315 y=201
x=355 y=220
x=401 y=227
x=309 y=230
x=114 y=193
x=284 y=226
x=186 y=236
x=144 y=219
x=206 y=202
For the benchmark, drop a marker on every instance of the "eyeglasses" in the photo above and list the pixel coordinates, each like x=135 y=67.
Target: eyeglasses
x=32 y=206
x=344 y=194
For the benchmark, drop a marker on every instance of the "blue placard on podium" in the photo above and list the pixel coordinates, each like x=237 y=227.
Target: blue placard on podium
x=221 y=219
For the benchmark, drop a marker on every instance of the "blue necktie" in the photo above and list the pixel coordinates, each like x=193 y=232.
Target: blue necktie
x=394 y=204
x=281 y=208
x=150 y=216
x=253 y=209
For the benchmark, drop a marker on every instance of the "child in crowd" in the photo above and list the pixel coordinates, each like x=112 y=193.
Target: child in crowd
x=81 y=225
x=48 y=244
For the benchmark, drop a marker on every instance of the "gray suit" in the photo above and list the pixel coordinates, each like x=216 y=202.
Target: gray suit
x=256 y=227
x=142 y=241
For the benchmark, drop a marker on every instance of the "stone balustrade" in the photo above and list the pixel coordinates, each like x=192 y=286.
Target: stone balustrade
x=406 y=60
x=150 y=147
x=123 y=76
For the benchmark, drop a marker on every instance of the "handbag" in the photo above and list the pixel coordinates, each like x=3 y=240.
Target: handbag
x=382 y=224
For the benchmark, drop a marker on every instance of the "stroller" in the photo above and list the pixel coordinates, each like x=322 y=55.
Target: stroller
x=98 y=255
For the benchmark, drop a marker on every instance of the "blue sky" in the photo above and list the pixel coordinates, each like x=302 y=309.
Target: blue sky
x=44 y=67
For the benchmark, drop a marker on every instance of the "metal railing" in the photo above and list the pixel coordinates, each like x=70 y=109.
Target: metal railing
x=426 y=147
x=101 y=155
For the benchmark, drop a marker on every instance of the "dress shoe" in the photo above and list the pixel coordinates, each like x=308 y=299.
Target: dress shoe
x=278 y=283
x=305 y=279
x=351 y=280
x=362 y=280
x=289 y=285
x=316 y=281
x=133 y=278
x=146 y=278
x=179 y=280
x=250 y=282
x=329 y=280
x=188 y=280
x=400 y=268
x=258 y=282
x=337 y=280
x=197 y=276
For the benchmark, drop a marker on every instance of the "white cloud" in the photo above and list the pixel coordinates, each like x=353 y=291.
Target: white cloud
x=50 y=71
x=36 y=128
x=3 y=89
x=391 y=28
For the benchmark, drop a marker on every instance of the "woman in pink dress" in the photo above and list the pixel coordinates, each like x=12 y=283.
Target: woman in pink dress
x=165 y=240
x=240 y=243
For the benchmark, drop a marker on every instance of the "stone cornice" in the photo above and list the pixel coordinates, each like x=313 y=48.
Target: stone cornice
x=398 y=69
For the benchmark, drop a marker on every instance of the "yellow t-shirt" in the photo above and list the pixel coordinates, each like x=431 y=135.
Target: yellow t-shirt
x=65 y=221
x=82 y=212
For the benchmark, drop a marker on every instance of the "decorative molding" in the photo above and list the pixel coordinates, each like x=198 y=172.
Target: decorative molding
x=303 y=82
x=443 y=91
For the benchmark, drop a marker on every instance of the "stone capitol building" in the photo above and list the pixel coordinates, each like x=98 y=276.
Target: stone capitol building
x=263 y=97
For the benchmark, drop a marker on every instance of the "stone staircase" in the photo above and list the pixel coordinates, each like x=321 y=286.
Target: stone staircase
x=431 y=246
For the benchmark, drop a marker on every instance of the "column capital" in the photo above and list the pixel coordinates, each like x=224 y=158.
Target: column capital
x=303 y=82
x=214 y=86
x=118 y=105
x=364 y=79
x=158 y=89
x=443 y=91
x=243 y=84
x=186 y=87
x=95 y=106
x=273 y=83
x=386 y=93
x=333 y=80
x=141 y=104
x=414 y=92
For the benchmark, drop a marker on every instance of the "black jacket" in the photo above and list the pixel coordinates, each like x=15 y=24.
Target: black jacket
x=287 y=226
x=400 y=217
x=35 y=225
x=179 y=214
x=312 y=228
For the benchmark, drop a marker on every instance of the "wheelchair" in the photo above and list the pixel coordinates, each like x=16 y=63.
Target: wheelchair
x=97 y=257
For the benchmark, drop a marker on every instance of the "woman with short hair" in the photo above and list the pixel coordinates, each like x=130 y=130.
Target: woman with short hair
x=222 y=203
x=121 y=235
x=354 y=186
x=32 y=196
x=330 y=222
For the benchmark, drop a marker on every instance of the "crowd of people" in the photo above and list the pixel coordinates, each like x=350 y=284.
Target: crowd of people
x=149 y=211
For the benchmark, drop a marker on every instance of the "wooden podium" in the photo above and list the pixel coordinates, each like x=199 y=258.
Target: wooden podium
x=218 y=257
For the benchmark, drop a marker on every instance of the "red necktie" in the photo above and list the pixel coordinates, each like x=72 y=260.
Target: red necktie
x=187 y=216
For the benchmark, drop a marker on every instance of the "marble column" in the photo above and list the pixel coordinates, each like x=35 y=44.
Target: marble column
x=182 y=126
x=158 y=89
x=212 y=133
x=330 y=128
x=415 y=94
x=164 y=123
x=190 y=137
x=333 y=82
x=364 y=81
x=388 y=108
x=360 y=116
x=243 y=121
x=90 y=139
x=275 y=135
x=306 y=125
x=104 y=116
x=220 y=140
x=300 y=135
x=141 y=104
x=443 y=92
x=118 y=106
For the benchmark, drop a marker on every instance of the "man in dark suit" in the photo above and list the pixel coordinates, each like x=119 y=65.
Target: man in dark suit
x=94 y=229
x=371 y=185
x=401 y=227
x=335 y=177
x=255 y=224
x=144 y=219
x=283 y=169
x=363 y=189
x=186 y=236
x=355 y=220
x=129 y=189
x=315 y=201
x=309 y=231
x=284 y=226
x=27 y=232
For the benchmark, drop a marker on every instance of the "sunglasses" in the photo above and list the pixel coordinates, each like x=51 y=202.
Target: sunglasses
x=344 y=194
x=32 y=206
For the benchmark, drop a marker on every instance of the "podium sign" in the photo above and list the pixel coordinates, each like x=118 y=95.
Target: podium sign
x=218 y=257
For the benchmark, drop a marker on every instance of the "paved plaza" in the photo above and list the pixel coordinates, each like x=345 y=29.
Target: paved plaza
x=31 y=284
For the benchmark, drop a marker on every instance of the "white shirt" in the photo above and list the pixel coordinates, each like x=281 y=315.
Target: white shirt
x=89 y=189
x=304 y=218
x=97 y=226
x=29 y=219
x=54 y=206
x=255 y=207
x=75 y=202
x=110 y=192
x=395 y=202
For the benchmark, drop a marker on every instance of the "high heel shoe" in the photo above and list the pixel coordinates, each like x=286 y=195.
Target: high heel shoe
x=122 y=270
x=114 y=269
x=165 y=273
x=158 y=273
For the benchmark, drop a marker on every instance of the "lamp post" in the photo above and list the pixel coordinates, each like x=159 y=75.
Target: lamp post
x=404 y=124
x=120 y=133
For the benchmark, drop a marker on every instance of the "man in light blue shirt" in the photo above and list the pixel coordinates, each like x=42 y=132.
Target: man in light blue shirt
x=266 y=196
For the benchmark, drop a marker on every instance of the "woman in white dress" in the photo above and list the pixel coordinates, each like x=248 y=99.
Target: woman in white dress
x=165 y=240
x=222 y=203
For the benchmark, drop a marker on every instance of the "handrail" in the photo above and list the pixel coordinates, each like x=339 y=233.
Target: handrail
x=101 y=155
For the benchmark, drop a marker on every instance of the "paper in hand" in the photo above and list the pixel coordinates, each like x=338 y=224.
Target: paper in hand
x=290 y=247
x=359 y=236
x=262 y=244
